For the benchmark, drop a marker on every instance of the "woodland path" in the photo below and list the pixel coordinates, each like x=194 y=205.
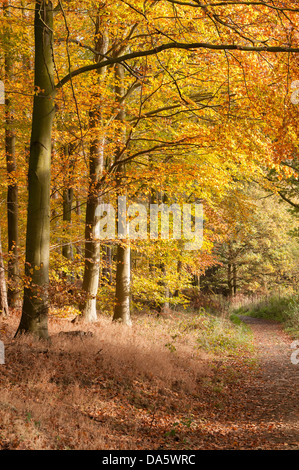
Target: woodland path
x=275 y=393
x=246 y=401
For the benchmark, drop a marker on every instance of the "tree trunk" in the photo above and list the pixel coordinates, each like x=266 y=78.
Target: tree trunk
x=96 y=163
x=123 y=285
x=179 y=270
x=12 y=189
x=78 y=213
x=229 y=280
x=92 y=246
x=123 y=256
x=107 y=265
x=235 y=279
x=68 y=196
x=3 y=291
x=166 y=304
x=35 y=304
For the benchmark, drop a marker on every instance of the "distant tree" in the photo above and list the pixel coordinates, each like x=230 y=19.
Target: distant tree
x=4 y=311
x=12 y=188
x=259 y=253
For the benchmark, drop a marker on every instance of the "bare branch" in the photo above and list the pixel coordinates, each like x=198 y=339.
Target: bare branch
x=175 y=45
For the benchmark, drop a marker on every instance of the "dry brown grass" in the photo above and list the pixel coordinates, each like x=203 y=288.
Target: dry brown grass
x=147 y=387
x=105 y=391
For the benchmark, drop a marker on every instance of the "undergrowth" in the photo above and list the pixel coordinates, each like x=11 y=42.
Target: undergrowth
x=208 y=332
x=116 y=387
x=221 y=335
x=282 y=309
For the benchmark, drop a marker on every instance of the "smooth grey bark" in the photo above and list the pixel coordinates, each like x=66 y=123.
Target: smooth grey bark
x=35 y=304
x=78 y=213
x=123 y=257
x=68 y=199
x=4 y=311
x=13 y=293
x=67 y=247
x=92 y=245
x=68 y=196
x=91 y=274
x=123 y=285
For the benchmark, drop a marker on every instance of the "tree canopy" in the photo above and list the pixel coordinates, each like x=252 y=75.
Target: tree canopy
x=160 y=101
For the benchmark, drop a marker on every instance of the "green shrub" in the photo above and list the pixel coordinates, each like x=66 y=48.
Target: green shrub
x=218 y=334
x=282 y=309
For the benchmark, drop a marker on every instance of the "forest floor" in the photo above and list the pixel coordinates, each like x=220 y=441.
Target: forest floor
x=147 y=387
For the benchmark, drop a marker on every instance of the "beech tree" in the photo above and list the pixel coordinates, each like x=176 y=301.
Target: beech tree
x=96 y=165
x=123 y=257
x=4 y=311
x=225 y=29
x=35 y=304
x=12 y=189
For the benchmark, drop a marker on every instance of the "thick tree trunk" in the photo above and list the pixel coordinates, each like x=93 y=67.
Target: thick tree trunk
x=35 y=304
x=12 y=189
x=3 y=291
x=123 y=256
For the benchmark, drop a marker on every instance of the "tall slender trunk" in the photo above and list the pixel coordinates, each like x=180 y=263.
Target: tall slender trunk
x=96 y=164
x=68 y=196
x=35 y=304
x=234 y=279
x=3 y=291
x=229 y=280
x=92 y=245
x=123 y=284
x=68 y=200
x=107 y=265
x=179 y=270
x=166 y=303
x=123 y=256
x=13 y=293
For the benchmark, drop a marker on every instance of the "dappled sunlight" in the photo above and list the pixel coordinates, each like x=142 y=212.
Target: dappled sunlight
x=109 y=386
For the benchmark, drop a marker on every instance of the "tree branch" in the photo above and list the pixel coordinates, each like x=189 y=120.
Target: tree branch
x=174 y=45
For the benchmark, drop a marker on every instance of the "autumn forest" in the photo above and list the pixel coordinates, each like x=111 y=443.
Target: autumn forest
x=149 y=225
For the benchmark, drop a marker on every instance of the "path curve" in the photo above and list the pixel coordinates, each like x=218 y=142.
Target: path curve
x=278 y=381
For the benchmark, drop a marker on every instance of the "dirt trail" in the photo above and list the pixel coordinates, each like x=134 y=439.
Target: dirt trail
x=276 y=389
